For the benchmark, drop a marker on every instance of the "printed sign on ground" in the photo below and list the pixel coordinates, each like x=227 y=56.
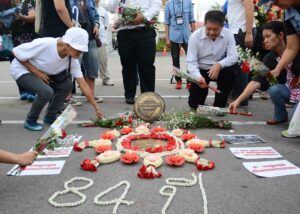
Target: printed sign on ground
x=255 y=152
x=271 y=169
x=242 y=139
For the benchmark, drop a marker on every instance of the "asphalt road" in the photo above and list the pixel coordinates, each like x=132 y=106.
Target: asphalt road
x=230 y=188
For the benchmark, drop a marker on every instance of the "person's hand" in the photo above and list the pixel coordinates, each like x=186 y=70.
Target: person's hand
x=275 y=72
x=43 y=76
x=249 y=40
x=26 y=158
x=99 y=113
x=139 y=19
x=168 y=43
x=233 y=106
x=202 y=82
x=19 y=16
x=214 y=71
x=96 y=31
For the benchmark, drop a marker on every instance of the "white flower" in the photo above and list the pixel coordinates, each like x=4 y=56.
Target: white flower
x=108 y=157
x=153 y=160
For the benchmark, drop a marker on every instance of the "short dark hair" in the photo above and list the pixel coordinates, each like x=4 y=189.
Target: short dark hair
x=215 y=16
x=276 y=26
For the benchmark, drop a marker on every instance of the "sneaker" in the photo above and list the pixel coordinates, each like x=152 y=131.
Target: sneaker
x=264 y=95
x=98 y=99
x=108 y=83
x=49 y=120
x=23 y=96
x=30 y=97
x=33 y=126
x=178 y=85
x=72 y=101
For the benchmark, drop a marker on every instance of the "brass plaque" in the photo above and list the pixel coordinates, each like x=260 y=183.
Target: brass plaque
x=149 y=106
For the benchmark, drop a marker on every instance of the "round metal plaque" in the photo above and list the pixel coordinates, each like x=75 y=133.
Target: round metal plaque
x=149 y=106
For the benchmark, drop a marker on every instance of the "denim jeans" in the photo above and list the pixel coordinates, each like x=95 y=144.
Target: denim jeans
x=280 y=95
x=90 y=60
x=55 y=94
x=175 y=53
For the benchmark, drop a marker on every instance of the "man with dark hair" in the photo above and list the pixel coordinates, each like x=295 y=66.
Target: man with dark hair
x=212 y=56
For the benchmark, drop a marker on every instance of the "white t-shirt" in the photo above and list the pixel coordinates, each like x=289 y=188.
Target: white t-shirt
x=236 y=16
x=42 y=53
x=104 y=21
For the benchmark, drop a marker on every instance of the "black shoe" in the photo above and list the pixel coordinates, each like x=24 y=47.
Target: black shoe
x=130 y=101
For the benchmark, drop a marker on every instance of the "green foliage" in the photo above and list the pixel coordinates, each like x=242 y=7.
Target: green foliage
x=160 y=44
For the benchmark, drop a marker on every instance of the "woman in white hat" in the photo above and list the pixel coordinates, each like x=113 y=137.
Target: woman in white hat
x=44 y=67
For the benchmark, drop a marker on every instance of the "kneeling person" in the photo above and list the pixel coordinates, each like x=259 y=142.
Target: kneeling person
x=44 y=67
x=212 y=56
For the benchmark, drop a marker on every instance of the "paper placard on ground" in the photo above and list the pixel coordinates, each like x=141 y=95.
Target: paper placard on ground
x=41 y=168
x=255 y=152
x=61 y=152
x=242 y=139
x=271 y=169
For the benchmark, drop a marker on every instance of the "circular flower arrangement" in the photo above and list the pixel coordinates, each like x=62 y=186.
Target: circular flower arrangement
x=159 y=143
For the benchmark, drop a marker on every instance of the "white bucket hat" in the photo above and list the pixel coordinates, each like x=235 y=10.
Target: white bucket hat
x=77 y=38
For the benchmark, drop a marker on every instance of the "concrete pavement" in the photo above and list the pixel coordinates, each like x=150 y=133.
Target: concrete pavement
x=230 y=188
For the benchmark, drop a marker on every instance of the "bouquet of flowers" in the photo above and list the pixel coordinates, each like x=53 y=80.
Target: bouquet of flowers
x=260 y=15
x=251 y=64
x=176 y=71
x=191 y=120
x=52 y=141
x=127 y=15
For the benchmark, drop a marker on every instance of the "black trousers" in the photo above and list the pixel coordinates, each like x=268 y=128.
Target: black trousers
x=224 y=81
x=175 y=53
x=137 y=50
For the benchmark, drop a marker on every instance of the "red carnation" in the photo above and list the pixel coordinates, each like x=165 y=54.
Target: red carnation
x=148 y=172
x=130 y=157
x=76 y=147
x=188 y=136
x=175 y=160
x=102 y=148
x=196 y=147
x=107 y=136
x=126 y=130
x=87 y=165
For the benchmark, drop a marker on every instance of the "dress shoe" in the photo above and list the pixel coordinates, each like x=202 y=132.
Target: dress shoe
x=130 y=101
x=275 y=122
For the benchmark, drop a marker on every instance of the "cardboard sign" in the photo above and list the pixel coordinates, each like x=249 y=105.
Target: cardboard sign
x=39 y=168
x=255 y=152
x=271 y=169
x=242 y=139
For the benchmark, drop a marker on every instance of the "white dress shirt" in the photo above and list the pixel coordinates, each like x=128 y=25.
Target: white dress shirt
x=203 y=52
x=150 y=8
x=236 y=15
x=104 y=21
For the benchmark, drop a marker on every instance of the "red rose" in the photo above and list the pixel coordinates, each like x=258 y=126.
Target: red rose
x=63 y=134
x=130 y=119
x=246 y=67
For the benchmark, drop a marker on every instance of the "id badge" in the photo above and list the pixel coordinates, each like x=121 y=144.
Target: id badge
x=179 y=19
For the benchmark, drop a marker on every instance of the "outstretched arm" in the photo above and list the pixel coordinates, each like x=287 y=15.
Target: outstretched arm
x=23 y=159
